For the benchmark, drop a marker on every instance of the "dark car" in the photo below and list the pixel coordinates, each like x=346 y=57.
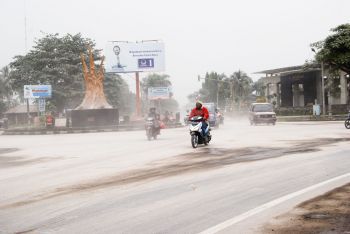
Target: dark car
x=213 y=121
x=262 y=113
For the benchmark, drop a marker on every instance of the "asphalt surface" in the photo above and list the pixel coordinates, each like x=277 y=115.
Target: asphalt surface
x=121 y=183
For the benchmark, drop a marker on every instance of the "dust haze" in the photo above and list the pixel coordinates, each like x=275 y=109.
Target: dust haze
x=200 y=36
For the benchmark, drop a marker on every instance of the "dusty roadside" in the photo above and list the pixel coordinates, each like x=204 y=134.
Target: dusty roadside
x=329 y=213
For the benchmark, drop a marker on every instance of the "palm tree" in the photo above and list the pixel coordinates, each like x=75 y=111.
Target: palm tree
x=5 y=89
x=155 y=80
x=241 y=86
x=5 y=85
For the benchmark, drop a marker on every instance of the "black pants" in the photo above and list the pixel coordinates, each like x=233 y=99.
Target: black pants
x=204 y=127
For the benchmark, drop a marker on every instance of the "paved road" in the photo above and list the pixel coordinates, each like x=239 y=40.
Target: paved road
x=121 y=183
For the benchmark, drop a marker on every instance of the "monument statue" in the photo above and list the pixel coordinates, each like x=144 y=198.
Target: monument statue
x=94 y=93
x=94 y=111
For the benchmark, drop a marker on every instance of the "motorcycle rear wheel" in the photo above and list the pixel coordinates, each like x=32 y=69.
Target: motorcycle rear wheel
x=194 y=141
x=347 y=124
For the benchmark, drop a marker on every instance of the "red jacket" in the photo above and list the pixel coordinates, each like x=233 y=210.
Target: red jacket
x=202 y=112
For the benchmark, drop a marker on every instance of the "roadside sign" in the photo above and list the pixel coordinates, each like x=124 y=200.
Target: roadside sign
x=37 y=91
x=41 y=104
x=155 y=93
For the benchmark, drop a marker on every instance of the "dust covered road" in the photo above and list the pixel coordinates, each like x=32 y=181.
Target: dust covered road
x=121 y=183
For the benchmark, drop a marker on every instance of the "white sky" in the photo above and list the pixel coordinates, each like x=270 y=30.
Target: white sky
x=199 y=35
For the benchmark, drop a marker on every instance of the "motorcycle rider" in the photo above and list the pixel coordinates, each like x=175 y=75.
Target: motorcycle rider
x=153 y=114
x=200 y=110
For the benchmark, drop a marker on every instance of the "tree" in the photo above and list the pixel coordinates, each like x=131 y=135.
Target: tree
x=56 y=61
x=213 y=88
x=259 y=87
x=218 y=87
x=335 y=49
x=6 y=92
x=334 y=53
x=157 y=80
x=242 y=87
x=118 y=93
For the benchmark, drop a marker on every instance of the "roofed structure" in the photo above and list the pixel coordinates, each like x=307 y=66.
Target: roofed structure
x=292 y=69
x=23 y=109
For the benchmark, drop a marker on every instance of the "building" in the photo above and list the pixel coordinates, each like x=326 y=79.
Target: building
x=301 y=87
x=18 y=115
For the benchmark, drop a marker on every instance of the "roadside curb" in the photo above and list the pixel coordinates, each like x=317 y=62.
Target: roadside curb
x=74 y=131
x=311 y=118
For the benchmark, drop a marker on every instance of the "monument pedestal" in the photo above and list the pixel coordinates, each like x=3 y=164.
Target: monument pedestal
x=95 y=118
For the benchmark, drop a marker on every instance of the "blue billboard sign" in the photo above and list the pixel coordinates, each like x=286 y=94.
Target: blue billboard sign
x=146 y=63
x=37 y=91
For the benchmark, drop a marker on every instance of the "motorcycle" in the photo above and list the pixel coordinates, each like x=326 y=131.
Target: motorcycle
x=347 y=122
x=197 y=135
x=152 y=130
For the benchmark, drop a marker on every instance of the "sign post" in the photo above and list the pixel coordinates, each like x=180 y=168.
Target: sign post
x=157 y=93
x=131 y=57
x=39 y=92
x=41 y=104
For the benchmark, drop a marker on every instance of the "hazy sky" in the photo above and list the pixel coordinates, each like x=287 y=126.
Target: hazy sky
x=199 y=36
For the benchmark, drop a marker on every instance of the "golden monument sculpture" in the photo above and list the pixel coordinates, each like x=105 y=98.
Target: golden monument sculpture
x=94 y=111
x=94 y=93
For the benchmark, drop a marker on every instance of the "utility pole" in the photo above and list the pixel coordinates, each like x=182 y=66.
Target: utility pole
x=323 y=96
x=138 y=98
x=25 y=28
x=217 y=93
x=322 y=84
x=25 y=52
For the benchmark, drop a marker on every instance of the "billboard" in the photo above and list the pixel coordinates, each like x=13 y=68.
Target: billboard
x=37 y=91
x=124 y=57
x=155 y=93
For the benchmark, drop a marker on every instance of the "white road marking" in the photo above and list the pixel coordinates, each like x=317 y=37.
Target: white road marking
x=221 y=226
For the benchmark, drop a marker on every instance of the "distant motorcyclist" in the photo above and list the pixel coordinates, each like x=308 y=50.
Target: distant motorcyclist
x=153 y=114
x=200 y=110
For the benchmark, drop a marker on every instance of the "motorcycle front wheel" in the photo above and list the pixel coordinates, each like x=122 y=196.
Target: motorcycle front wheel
x=347 y=123
x=194 y=141
x=149 y=134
